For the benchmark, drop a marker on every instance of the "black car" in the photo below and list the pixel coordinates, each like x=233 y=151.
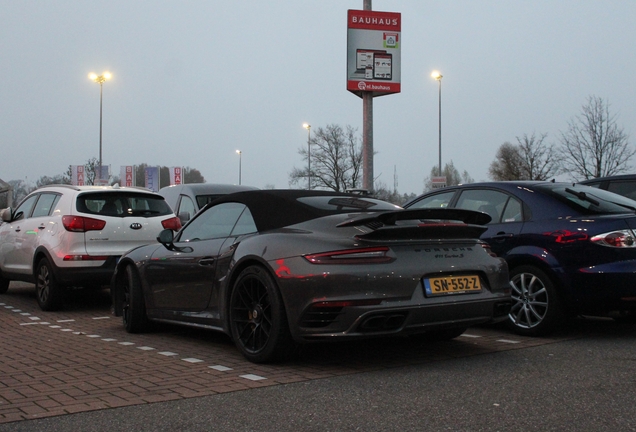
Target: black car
x=272 y=268
x=621 y=184
x=571 y=249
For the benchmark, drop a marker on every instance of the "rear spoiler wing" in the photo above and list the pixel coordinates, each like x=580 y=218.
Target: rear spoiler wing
x=391 y=217
x=434 y=224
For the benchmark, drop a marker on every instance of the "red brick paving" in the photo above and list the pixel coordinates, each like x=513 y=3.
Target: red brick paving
x=73 y=360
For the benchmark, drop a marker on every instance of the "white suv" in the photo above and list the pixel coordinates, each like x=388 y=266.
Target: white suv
x=61 y=236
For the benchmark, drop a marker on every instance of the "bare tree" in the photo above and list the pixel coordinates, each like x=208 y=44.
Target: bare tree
x=336 y=160
x=594 y=145
x=539 y=160
x=530 y=159
x=507 y=163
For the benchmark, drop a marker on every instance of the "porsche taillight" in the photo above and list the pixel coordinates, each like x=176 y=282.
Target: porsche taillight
x=372 y=255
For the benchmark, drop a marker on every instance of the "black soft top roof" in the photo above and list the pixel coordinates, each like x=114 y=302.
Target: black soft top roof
x=277 y=208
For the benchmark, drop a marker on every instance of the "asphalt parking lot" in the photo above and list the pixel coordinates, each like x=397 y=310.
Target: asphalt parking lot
x=81 y=359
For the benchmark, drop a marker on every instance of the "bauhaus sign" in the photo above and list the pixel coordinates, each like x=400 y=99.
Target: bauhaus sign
x=373 y=52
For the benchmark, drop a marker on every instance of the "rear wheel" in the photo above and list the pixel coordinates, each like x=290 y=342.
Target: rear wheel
x=536 y=307
x=47 y=290
x=258 y=321
x=134 y=308
x=4 y=284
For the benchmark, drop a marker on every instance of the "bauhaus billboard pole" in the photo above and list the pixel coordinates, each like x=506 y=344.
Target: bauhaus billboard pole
x=373 y=68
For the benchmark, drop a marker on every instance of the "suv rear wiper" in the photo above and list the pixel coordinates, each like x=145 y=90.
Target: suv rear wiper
x=582 y=196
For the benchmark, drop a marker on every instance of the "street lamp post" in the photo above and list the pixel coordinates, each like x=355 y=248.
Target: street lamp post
x=240 y=153
x=100 y=80
x=438 y=77
x=308 y=127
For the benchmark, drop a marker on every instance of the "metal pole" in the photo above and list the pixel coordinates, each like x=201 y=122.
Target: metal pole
x=308 y=157
x=440 y=126
x=99 y=174
x=367 y=131
x=240 y=159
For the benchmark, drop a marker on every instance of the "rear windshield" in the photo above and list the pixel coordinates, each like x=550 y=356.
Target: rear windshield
x=339 y=204
x=202 y=200
x=591 y=201
x=122 y=204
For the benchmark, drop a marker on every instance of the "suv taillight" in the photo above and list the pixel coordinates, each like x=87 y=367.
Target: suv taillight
x=82 y=224
x=173 y=223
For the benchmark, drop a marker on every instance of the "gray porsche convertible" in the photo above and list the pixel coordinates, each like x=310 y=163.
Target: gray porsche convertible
x=276 y=268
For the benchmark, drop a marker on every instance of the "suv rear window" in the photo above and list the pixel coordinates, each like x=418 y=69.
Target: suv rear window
x=122 y=204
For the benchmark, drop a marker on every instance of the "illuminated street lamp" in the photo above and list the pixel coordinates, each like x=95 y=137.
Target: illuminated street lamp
x=100 y=80
x=240 y=153
x=438 y=77
x=308 y=127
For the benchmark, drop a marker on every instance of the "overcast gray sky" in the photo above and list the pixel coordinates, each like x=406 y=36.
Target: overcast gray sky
x=193 y=81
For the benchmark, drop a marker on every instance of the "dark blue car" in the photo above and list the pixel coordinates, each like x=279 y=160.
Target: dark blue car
x=570 y=248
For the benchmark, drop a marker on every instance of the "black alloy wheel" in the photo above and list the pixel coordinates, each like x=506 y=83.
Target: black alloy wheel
x=4 y=284
x=47 y=291
x=134 y=308
x=536 y=307
x=258 y=321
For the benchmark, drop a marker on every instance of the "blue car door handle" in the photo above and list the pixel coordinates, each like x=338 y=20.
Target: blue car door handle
x=501 y=236
x=206 y=261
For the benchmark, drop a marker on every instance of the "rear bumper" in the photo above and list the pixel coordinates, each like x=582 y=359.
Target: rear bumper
x=361 y=322
x=605 y=288
x=99 y=275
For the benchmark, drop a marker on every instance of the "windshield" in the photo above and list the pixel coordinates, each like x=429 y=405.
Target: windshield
x=591 y=201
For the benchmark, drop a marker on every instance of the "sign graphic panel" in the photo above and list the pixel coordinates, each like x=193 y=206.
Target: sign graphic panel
x=373 y=52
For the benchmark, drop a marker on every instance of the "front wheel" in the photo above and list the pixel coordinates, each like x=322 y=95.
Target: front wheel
x=258 y=321
x=47 y=291
x=134 y=308
x=536 y=307
x=4 y=284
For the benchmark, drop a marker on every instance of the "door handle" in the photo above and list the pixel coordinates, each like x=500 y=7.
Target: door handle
x=502 y=236
x=207 y=261
x=17 y=229
x=41 y=227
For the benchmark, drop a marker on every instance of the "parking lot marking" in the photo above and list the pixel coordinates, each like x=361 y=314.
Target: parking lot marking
x=25 y=314
x=65 y=320
x=469 y=335
x=252 y=377
x=220 y=368
x=101 y=317
x=167 y=353
x=55 y=326
x=145 y=348
x=28 y=323
x=109 y=340
x=67 y=330
x=16 y=310
x=34 y=318
x=93 y=336
x=8 y=307
x=508 y=341
x=44 y=323
x=192 y=360
x=126 y=343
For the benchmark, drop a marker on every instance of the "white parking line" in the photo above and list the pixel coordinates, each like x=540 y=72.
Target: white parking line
x=101 y=317
x=508 y=341
x=66 y=320
x=192 y=360
x=93 y=336
x=126 y=343
x=469 y=335
x=145 y=348
x=167 y=353
x=220 y=368
x=252 y=377
x=109 y=340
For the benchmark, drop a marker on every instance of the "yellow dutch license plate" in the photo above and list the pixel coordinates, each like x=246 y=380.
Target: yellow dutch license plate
x=452 y=285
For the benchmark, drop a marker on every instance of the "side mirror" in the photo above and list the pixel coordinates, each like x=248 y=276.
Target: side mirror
x=184 y=217
x=6 y=214
x=166 y=237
